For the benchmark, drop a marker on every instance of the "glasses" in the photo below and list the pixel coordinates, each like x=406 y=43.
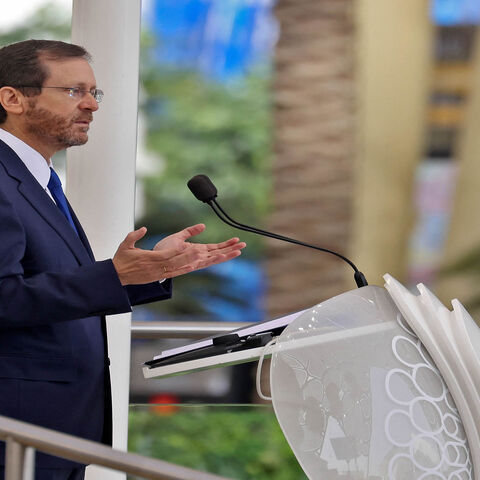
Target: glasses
x=74 y=92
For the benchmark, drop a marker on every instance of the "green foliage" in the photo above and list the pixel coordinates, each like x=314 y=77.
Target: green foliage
x=47 y=23
x=195 y=126
x=198 y=126
x=241 y=443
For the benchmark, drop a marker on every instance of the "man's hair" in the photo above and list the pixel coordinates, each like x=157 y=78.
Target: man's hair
x=21 y=64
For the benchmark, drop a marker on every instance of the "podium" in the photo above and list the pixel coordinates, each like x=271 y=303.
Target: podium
x=375 y=383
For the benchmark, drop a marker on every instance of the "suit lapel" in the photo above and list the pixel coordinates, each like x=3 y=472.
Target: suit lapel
x=81 y=233
x=43 y=204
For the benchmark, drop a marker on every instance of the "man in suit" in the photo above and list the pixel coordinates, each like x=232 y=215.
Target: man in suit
x=53 y=294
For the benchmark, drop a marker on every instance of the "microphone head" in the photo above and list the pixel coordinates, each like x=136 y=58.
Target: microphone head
x=202 y=187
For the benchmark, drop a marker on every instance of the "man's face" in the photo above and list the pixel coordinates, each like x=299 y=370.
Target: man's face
x=53 y=117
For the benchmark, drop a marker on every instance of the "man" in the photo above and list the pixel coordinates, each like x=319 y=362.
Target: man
x=53 y=295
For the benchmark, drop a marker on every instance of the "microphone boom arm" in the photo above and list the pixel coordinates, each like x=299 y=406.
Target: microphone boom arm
x=359 y=277
x=205 y=191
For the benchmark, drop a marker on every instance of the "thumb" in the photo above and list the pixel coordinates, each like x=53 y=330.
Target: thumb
x=133 y=237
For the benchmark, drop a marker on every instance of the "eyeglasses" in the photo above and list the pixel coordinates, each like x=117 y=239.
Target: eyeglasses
x=74 y=92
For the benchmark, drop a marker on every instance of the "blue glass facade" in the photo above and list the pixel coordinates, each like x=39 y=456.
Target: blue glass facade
x=456 y=12
x=220 y=38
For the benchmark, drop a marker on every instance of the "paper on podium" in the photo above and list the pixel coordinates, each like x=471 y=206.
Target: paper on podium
x=211 y=352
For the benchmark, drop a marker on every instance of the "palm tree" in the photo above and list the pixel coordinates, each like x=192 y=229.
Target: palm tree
x=314 y=146
x=351 y=92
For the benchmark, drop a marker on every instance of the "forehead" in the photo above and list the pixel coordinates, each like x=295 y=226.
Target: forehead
x=70 y=72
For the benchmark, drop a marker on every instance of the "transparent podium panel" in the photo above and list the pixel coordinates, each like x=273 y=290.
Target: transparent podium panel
x=358 y=397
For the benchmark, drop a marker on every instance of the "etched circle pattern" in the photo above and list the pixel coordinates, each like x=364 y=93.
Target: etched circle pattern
x=358 y=396
x=424 y=426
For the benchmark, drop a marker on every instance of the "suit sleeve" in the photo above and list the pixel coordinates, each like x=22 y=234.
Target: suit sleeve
x=53 y=296
x=151 y=292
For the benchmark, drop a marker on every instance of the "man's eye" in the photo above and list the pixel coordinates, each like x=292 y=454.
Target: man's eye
x=73 y=92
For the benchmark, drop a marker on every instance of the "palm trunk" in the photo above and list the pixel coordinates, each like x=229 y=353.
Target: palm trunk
x=313 y=170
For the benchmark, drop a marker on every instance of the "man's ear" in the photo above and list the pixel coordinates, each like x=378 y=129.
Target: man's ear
x=12 y=100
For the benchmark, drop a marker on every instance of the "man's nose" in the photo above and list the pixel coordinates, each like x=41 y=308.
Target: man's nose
x=88 y=102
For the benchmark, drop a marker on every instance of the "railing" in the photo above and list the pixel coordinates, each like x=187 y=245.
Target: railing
x=183 y=329
x=22 y=439
x=20 y=436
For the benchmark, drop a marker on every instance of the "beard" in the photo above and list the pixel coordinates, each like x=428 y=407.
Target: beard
x=56 y=129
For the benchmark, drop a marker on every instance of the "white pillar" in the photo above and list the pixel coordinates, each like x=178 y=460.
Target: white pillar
x=101 y=174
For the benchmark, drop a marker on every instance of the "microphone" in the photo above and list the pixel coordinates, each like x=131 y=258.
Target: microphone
x=204 y=190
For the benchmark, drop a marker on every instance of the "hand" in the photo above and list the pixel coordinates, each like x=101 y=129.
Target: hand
x=209 y=253
x=171 y=257
x=136 y=266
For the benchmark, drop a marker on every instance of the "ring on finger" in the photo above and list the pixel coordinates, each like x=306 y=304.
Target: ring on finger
x=165 y=269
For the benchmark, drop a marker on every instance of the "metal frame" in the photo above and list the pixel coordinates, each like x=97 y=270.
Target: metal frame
x=22 y=439
x=20 y=436
x=175 y=329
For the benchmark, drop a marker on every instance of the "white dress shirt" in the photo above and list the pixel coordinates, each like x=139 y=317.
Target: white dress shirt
x=36 y=164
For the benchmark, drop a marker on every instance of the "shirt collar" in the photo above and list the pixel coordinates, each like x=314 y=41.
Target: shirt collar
x=35 y=163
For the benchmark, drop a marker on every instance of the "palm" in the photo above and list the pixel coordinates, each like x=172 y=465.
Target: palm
x=207 y=253
x=176 y=240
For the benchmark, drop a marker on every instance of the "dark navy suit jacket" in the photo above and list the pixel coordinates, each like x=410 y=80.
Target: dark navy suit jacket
x=53 y=300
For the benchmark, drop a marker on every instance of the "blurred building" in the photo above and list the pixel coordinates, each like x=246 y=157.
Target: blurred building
x=220 y=38
x=452 y=60
x=455 y=12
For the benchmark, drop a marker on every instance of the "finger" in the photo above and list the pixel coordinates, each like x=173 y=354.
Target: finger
x=216 y=259
x=206 y=254
x=133 y=237
x=178 y=271
x=162 y=255
x=229 y=248
x=189 y=232
x=207 y=262
x=227 y=243
x=194 y=259
x=228 y=256
x=172 y=259
x=203 y=262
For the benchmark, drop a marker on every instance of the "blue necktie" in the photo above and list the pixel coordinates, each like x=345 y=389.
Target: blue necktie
x=55 y=187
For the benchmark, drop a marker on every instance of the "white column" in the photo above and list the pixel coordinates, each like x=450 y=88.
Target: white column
x=101 y=174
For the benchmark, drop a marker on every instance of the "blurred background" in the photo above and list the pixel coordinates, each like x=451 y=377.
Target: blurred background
x=350 y=124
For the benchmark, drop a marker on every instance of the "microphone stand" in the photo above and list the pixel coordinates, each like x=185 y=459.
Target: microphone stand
x=359 y=277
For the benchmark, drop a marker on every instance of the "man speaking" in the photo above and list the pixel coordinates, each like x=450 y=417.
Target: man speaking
x=53 y=294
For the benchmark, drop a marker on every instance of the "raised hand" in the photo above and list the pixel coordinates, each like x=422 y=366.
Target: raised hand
x=208 y=253
x=171 y=257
